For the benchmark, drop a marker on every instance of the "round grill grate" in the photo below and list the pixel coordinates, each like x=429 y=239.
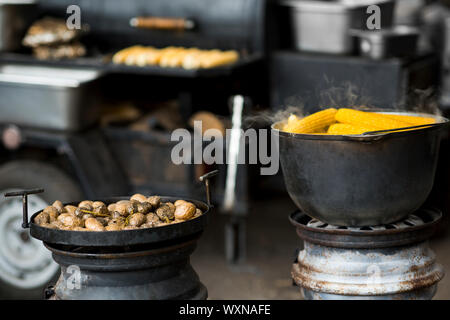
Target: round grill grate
x=413 y=220
x=417 y=227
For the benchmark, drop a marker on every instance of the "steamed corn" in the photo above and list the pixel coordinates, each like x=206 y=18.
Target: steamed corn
x=369 y=119
x=314 y=123
x=348 y=121
x=412 y=120
x=344 y=128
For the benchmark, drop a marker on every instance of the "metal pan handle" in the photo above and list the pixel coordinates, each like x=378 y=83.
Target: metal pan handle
x=205 y=178
x=404 y=128
x=24 y=194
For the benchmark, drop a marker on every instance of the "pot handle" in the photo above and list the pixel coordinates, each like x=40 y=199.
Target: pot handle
x=24 y=194
x=205 y=178
x=404 y=128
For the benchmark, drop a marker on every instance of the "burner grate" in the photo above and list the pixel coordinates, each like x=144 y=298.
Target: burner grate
x=413 y=220
x=417 y=227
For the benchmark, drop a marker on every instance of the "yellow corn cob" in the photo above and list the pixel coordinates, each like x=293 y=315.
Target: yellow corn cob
x=412 y=120
x=343 y=128
x=313 y=123
x=369 y=119
x=290 y=122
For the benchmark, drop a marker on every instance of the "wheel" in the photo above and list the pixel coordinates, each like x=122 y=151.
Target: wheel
x=26 y=267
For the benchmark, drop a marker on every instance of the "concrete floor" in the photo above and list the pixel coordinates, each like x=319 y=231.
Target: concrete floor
x=272 y=242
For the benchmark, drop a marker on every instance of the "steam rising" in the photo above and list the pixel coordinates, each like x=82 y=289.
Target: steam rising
x=425 y=101
x=347 y=95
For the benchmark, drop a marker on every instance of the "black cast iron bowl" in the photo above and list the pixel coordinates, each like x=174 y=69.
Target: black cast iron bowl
x=361 y=180
x=123 y=237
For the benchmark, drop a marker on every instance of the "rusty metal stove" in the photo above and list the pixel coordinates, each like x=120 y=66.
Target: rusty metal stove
x=129 y=273
x=381 y=262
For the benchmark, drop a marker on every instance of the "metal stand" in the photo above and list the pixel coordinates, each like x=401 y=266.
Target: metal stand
x=236 y=240
x=235 y=229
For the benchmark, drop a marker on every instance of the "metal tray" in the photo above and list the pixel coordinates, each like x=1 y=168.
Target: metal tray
x=323 y=26
x=48 y=97
x=103 y=63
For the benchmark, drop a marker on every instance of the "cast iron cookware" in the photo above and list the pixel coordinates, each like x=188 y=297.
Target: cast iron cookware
x=123 y=237
x=369 y=179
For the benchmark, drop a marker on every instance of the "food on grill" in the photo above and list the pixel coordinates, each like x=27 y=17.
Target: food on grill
x=139 y=197
x=49 y=31
x=58 y=206
x=93 y=224
x=69 y=220
x=187 y=58
x=316 y=122
x=69 y=209
x=62 y=51
x=154 y=201
x=137 y=213
x=184 y=210
x=51 y=39
x=42 y=218
x=136 y=219
x=198 y=213
x=166 y=212
x=346 y=121
x=52 y=212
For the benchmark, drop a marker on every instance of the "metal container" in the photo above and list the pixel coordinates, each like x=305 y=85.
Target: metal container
x=161 y=272
x=15 y=17
x=122 y=237
x=323 y=26
x=48 y=97
x=380 y=44
x=360 y=180
x=409 y=272
x=378 y=262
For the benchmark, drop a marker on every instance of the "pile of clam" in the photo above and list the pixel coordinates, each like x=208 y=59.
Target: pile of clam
x=137 y=213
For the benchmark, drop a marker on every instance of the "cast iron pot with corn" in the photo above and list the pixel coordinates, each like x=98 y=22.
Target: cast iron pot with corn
x=357 y=177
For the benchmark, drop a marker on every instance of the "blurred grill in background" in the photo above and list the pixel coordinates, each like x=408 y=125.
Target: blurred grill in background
x=102 y=126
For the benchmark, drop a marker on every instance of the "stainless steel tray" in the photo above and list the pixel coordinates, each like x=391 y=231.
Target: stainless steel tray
x=48 y=97
x=323 y=26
